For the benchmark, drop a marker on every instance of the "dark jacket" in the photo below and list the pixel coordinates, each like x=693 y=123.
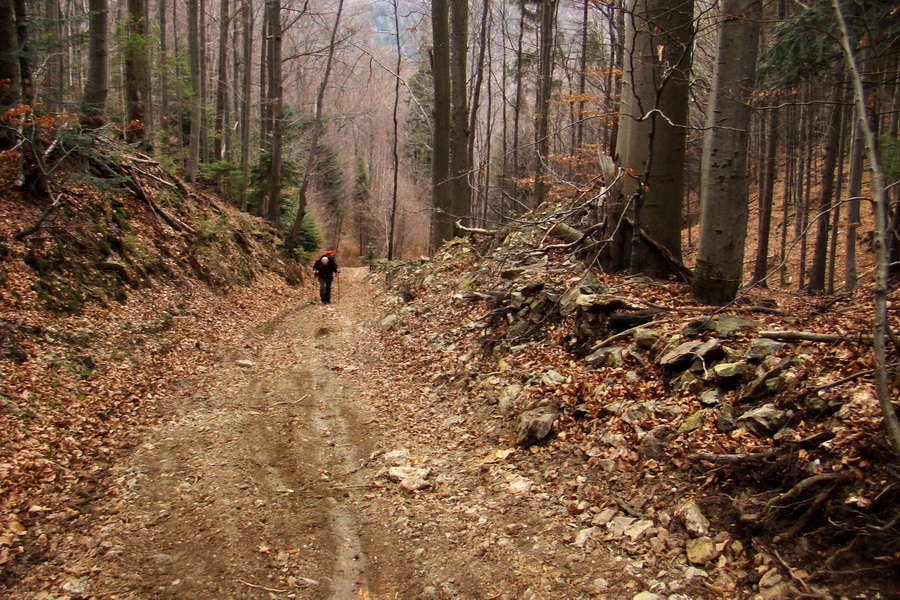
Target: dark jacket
x=325 y=271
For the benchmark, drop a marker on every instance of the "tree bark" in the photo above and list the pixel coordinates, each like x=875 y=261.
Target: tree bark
x=96 y=89
x=460 y=190
x=653 y=119
x=395 y=154
x=276 y=89
x=819 y=267
x=246 y=80
x=724 y=187
x=221 y=129
x=193 y=26
x=137 y=75
x=542 y=106
x=766 y=195
x=9 y=69
x=441 y=221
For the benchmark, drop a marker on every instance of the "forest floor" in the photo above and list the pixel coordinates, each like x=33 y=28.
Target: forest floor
x=267 y=480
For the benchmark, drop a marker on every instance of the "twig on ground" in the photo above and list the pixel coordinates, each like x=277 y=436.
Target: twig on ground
x=261 y=587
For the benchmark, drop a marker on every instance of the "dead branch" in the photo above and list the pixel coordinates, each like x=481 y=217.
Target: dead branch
x=734 y=459
x=57 y=202
x=838 y=477
x=801 y=523
x=808 y=336
x=134 y=185
x=260 y=587
x=476 y=230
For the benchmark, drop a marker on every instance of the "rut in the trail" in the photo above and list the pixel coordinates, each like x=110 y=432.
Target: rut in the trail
x=241 y=494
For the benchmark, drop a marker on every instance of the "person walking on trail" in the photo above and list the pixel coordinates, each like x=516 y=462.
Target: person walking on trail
x=325 y=269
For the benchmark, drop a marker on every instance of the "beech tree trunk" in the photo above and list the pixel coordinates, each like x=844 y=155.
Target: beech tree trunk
x=652 y=123
x=96 y=89
x=246 y=80
x=819 y=267
x=441 y=221
x=276 y=85
x=461 y=191
x=766 y=195
x=193 y=162
x=542 y=106
x=724 y=179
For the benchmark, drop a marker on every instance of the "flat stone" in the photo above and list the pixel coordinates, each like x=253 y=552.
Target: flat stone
x=710 y=397
x=520 y=485
x=711 y=349
x=619 y=524
x=637 y=529
x=397 y=457
x=726 y=325
x=701 y=550
x=645 y=337
x=605 y=357
x=727 y=419
x=763 y=421
x=389 y=320
x=693 y=422
x=695 y=573
x=726 y=373
x=647 y=596
x=398 y=474
x=584 y=535
x=681 y=354
x=552 y=377
x=760 y=348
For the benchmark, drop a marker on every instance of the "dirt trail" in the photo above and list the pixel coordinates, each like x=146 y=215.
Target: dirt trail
x=270 y=483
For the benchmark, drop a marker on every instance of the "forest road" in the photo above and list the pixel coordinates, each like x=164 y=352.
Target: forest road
x=273 y=479
x=244 y=493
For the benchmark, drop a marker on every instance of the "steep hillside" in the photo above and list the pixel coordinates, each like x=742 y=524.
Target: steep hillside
x=663 y=426
x=110 y=298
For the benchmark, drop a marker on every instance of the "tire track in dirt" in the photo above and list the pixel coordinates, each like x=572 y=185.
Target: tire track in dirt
x=239 y=495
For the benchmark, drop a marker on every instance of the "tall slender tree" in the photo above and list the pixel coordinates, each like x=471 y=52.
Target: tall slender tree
x=222 y=83
x=724 y=196
x=96 y=89
x=137 y=75
x=193 y=18
x=547 y=13
x=9 y=71
x=441 y=221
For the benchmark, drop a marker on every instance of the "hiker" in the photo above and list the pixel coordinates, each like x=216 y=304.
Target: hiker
x=325 y=269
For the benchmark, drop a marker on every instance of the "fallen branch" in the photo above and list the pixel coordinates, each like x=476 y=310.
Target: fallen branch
x=261 y=587
x=57 y=201
x=808 y=336
x=734 y=459
x=488 y=232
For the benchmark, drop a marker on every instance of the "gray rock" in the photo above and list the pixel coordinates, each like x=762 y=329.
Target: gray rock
x=701 y=550
x=508 y=397
x=389 y=320
x=679 y=356
x=693 y=422
x=710 y=397
x=552 y=377
x=726 y=325
x=76 y=587
x=637 y=529
x=762 y=421
x=710 y=350
x=584 y=535
x=535 y=424
x=760 y=348
x=605 y=357
x=647 y=596
x=729 y=373
x=635 y=412
x=653 y=445
x=693 y=520
x=727 y=420
x=699 y=325
x=645 y=337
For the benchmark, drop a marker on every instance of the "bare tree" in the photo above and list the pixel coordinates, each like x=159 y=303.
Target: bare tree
x=96 y=89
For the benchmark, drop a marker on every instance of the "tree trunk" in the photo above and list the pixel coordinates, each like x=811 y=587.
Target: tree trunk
x=724 y=180
x=766 y=195
x=276 y=90
x=653 y=116
x=137 y=75
x=193 y=163
x=317 y=128
x=479 y=69
x=461 y=192
x=163 y=117
x=221 y=129
x=204 y=82
x=819 y=266
x=246 y=81
x=395 y=154
x=9 y=69
x=542 y=106
x=441 y=222
x=97 y=87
